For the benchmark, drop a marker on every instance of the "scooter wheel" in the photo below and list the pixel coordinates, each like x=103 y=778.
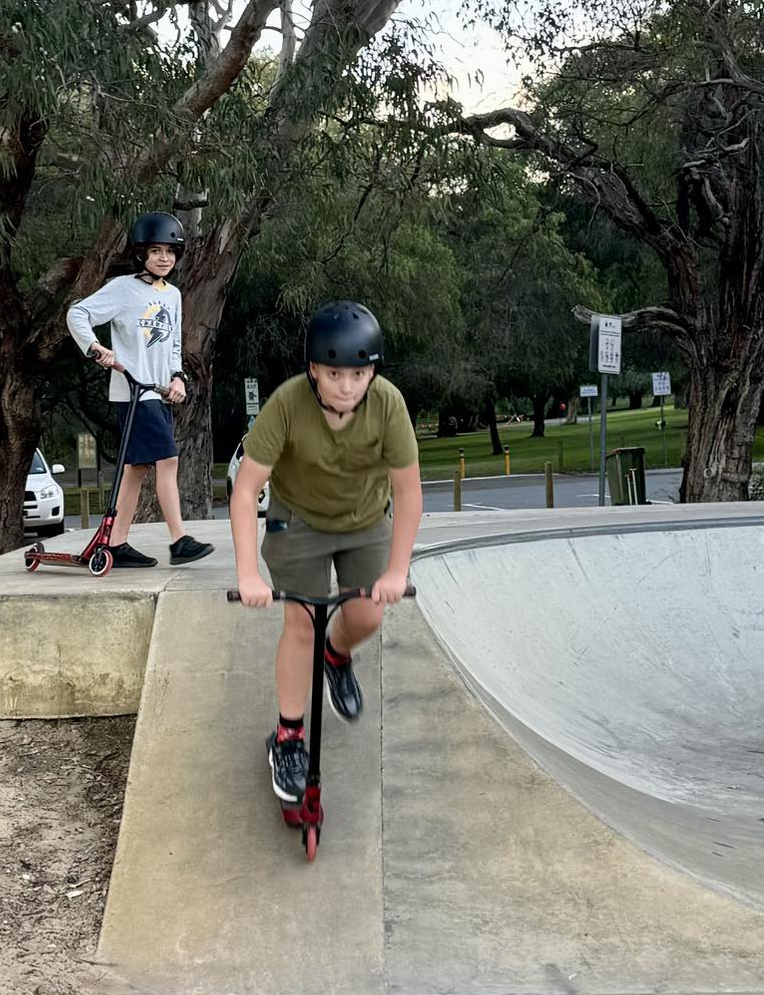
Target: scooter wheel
x=100 y=563
x=310 y=839
x=32 y=562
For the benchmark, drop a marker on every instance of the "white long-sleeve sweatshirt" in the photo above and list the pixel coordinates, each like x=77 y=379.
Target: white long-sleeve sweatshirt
x=145 y=330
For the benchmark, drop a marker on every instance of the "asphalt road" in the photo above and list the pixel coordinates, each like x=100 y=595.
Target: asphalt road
x=523 y=491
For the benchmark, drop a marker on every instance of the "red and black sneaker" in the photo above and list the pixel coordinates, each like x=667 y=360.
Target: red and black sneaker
x=342 y=688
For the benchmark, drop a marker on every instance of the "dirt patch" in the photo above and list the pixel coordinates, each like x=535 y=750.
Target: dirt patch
x=62 y=785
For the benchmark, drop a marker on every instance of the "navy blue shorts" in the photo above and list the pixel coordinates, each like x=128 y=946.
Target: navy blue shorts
x=151 y=438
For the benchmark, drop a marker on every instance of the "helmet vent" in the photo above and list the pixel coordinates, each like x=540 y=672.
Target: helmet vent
x=332 y=354
x=362 y=354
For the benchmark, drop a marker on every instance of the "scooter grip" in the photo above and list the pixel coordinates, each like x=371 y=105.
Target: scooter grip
x=410 y=591
x=235 y=596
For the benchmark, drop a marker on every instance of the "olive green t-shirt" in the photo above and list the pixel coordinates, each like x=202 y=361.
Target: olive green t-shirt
x=335 y=480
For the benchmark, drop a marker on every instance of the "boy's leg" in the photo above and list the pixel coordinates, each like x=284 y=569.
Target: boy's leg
x=183 y=548
x=294 y=661
x=168 y=496
x=355 y=621
x=286 y=746
x=127 y=502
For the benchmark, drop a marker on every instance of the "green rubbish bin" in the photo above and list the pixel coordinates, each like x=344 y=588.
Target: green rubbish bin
x=626 y=475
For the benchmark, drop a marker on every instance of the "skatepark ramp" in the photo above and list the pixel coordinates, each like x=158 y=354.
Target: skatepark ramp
x=630 y=665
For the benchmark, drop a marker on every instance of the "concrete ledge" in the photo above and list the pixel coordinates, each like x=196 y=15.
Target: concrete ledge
x=64 y=655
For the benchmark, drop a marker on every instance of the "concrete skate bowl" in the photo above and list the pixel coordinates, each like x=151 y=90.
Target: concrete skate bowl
x=630 y=666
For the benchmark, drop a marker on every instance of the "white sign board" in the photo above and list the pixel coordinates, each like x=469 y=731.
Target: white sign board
x=609 y=351
x=661 y=384
x=252 y=395
x=588 y=390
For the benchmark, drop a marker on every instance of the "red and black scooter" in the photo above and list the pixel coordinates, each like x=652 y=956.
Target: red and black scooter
x=308 y=814
x=96 y=556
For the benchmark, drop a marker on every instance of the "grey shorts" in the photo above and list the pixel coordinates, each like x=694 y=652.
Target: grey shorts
x=300 y=558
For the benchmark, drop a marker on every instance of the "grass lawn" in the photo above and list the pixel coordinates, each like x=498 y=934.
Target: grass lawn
x=440 y=457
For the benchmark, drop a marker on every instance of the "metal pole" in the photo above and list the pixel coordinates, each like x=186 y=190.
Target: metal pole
x=549 y=485
x=663 y=433
x=462 y=464
x=457 y=490
x=506 y=461
x=591 y=433
x=603 y=438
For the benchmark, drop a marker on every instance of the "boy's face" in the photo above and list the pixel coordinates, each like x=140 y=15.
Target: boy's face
x=342 y=387
x=160 y=259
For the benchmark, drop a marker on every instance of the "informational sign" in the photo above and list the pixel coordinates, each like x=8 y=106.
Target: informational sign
x=661 y=384
x=588 y=390
x=609 y=351
x=252 y=395
x=86 y=451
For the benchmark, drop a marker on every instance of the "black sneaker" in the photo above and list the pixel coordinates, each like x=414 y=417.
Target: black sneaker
x=342 y=688
x=289 y=764
x=125 y=556
x=187 y=549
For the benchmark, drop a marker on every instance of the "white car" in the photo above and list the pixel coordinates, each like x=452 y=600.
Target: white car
x=233 y=469
x=43 y=498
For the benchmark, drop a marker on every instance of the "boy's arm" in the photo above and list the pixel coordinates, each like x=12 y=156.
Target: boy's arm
x=250 y=480
x=97 y=309
x=407 y=512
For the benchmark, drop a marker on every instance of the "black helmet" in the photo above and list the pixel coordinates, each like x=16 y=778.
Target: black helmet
x=155 y=228
x=342 y=333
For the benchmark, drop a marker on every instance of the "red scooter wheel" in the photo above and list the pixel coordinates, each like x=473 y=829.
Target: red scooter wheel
x=310 y=839
x=32 y=562
x=100 y=563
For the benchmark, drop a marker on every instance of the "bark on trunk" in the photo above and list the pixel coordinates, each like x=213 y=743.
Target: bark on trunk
x=720 y=432
x=571 y=417
x=539 y=410
x=635 y=401
x=489 y=417
x=19 y=434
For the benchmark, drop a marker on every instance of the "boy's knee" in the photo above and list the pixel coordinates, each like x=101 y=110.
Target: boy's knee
x=363 y=614
x=297 y=623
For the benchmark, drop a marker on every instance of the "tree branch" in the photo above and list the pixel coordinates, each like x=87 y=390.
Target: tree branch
x=213 y=84
x=643 y=320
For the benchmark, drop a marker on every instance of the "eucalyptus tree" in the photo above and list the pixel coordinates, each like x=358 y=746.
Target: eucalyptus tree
x=653 y=112
x=94 y=101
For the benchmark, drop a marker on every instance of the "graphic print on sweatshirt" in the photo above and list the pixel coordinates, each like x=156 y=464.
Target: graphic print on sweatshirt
x=156 y=324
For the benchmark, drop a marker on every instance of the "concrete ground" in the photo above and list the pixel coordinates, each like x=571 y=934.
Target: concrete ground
x=450 y=862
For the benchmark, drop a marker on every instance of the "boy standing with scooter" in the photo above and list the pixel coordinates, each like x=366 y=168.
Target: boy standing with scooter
x=333 y=443
x=145 y=315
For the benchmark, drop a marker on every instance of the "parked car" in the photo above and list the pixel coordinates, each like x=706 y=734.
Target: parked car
x=43 y=498
x=233 y=469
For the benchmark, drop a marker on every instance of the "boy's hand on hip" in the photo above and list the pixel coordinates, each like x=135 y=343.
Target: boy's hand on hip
x=389 y=589
x=254 y=592
x=177 y=391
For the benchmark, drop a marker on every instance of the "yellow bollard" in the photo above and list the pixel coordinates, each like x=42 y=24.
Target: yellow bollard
x=506 y=461
x=462 y=464
x=457 y=491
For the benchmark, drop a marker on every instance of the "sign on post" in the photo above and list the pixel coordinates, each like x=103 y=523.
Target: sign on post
x=86 y=451
x=661 y=384
x=609 y=351
x=588 y=390
x=252 y=395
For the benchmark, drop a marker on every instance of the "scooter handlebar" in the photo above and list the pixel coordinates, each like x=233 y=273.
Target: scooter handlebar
x=157 y=388
x=358 y=592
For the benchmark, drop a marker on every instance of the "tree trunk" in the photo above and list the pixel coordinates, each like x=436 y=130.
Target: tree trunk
x=571 y=418
x=635 y=401
x=489 y=417
x=19 y=435
x=720 y=434
x=539 y=410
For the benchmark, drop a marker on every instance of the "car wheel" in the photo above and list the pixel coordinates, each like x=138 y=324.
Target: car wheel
x=52 y=530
